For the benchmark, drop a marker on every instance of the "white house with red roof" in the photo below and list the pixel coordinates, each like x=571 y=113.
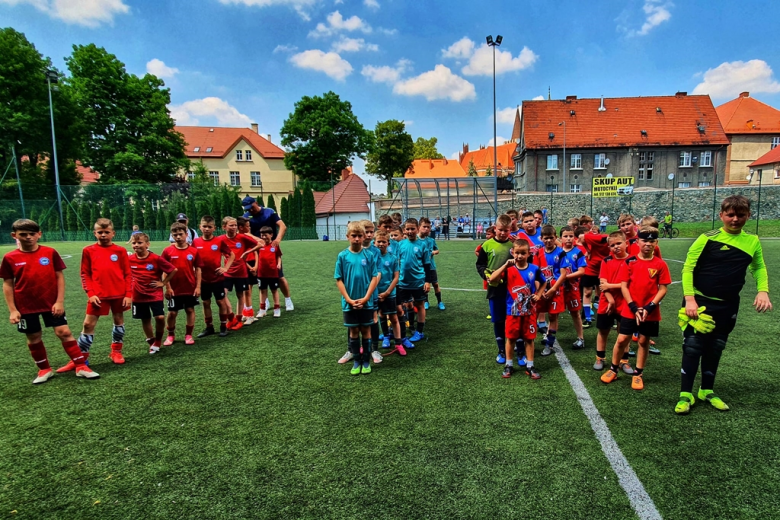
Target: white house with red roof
x=347 y=201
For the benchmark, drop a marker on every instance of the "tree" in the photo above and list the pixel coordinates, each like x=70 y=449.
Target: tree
x=426 y=149
x=160 y=220
x=149 y=218
x=116 y=219
x=284 y=208
x=472 y=171
x=322 y=136
x=271 y=202
x=137 y=217
x=392 y=152
x=308 y=218
x=131 y=132
x=94 y=214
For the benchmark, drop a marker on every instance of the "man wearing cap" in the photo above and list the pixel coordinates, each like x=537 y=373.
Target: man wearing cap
x=260 y=217
x=191 y=233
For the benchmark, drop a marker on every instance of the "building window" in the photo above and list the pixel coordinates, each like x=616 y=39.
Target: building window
x=239 y=155
x=214 y=177
x=646 y=166
x=576 y=161
x=196 y=149
x=704 y=184
x=235 y=179
x=254 y=178
x=552 y=162
x=600 y=161
x=190 y=176
x=775 y=142
x=685 y=160
x=248 y=155
x=575 y=188
x=551 y=188
x=208 y=150
x=683 y=184
x=706 y=159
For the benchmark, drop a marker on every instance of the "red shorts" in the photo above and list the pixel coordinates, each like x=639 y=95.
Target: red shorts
x=521 y=327
x=573 y=301
x=554 y=305
x=115 y=306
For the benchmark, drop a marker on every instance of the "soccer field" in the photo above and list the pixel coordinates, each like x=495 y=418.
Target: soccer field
x=265 y=423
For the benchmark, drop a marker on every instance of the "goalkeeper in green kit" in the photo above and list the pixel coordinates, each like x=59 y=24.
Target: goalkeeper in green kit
x=712 y=278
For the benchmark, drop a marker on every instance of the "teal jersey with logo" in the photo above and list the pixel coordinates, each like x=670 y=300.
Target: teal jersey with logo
x=387 y=266
x=372 y=249
x=430 y=242
x=412 y=255
x=356 y=270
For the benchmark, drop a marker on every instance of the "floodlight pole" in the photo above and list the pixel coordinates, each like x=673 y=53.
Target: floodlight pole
x=18 y=180
x=495 y=44
x=758 y=209
x=52 y=76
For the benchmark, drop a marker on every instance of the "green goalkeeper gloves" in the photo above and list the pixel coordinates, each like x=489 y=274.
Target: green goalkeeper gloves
x=703 y=325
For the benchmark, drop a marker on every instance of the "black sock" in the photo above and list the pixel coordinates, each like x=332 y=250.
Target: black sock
x=412 y=315
x=420 y=326
x=601 y=354
x=690 y=365
x=614 y=367
x=385 y=327
x=354 y=347
x=438 y=296
x=638 y=371
x=402 y=319
x=374 y=331
x=709 y=367
x=366 y=344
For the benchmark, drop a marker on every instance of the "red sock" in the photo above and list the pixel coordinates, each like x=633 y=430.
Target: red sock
x=209 y=321
x=157 y=342
x=231 y=317
x=150 y=340
x=38 y=352
x=116 y=347
x=262 y=305
x=188 y=330
x=74 y=352
x=276 y=307
x=171 y=332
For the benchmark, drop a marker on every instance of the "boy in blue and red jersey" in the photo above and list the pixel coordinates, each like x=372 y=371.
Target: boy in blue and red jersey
x=555 y=267
x=575 y=257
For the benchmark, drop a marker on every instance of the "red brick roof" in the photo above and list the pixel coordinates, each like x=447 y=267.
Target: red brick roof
x=746 y=115
x=434 y=168
x=88 y=175
x=222 y=140
x=484 y=157
x=771 y=157
x=668 y=121
x=351 y=196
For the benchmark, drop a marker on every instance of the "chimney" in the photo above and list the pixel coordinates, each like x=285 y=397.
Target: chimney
x=744 y=94
x=254 y=128
x=571 y=98
x=269 y=138
x=601 y=108
x=681 y=93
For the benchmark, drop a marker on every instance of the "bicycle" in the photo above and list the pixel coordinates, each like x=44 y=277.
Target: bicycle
x=670 y=232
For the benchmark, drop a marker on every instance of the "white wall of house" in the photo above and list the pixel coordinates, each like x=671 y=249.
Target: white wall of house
x=342 y=219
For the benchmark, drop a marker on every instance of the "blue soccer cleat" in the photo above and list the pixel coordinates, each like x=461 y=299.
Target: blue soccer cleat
x=407 y=344
x=441 y=306
x=417 y=336
x=500 y=359
x=386 y=342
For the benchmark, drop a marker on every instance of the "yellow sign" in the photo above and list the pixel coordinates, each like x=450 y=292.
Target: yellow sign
x=613 y=186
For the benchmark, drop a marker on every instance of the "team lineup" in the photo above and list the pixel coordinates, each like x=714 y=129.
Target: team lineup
x=533 y=275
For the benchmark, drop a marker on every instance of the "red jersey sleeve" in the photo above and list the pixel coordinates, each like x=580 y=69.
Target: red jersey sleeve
x=164 y=265
x=658 y=252
x=224 y=248
x=624 y=273
x=86 y=273
x=198 y=261
x=124 y=264
x=59 y=265
x=664 y=277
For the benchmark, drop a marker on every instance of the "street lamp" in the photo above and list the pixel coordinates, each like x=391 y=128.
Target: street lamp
x=671 y=178
x=564 y=154
x=758 y=209
x=495 y=44
x=51 y=77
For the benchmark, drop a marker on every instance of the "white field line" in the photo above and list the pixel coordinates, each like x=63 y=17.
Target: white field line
x=637 y=496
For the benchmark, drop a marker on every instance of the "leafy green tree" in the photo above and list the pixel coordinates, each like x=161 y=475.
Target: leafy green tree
x=116 y=218
x=284 y=208
x=322 y=136
x=72 y=223
x=94 y=214
x=137 y=216
x=159 y=220
x=131 y=132
x=472 y=171
x=33 y=215
x=308 y=218
x=149 y=218
x=392 y=152
x=426 y=149
x=84 y=213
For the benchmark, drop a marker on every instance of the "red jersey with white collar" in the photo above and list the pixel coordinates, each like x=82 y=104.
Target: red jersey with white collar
x=610 y=271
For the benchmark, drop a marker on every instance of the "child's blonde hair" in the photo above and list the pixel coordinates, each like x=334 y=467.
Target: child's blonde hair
x=104 y=223
x=356 y=226
x=649 y=221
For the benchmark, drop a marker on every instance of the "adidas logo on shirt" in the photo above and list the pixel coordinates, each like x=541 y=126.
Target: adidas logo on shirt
x=725 y=248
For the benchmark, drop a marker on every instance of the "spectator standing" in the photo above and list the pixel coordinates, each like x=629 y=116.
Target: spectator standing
x=544 y=215
x=603 y=221
x=445 y=229
x=182 y=219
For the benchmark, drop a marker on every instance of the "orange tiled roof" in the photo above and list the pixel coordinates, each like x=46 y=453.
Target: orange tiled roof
x=484 y=157
x=746 y=115
x=434 y=168
x=88 y=175
x=668 y=121
x=222 y=140
x=771 y=157
x=351 y=196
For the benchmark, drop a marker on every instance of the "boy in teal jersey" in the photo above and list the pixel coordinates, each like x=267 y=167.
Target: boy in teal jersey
x=712 y=277
x=430 y=275
x=357 y=277
x=388 y=269
x=412 y=287
x=368 y=245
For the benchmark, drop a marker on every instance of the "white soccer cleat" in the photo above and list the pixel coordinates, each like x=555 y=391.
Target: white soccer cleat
x=43 y=376
x=154 y=350
x=377 y=357
x=288 y=304
x=346 y=357
x=277 y=313
x=85 y=371
x=261 y=313
x=248 y=320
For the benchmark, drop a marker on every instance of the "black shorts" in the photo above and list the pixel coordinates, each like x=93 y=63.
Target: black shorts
x=240 y=284
x=145 y=310
x=605 y=321
x=251 y=279
x=178 y=303
x=269 y=283
x=589 y=280
x=724 y=312
x=410 y=295
x=281 y=273
x=431 y=276
x=387 y=306
x=628 y=326
x=30 y=324
x=358 y=317
x=216 y=289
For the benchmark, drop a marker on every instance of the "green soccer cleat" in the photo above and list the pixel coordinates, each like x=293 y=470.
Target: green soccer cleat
x=355 y=370
x=717 y=402
x=366 y=369
x=684 y=405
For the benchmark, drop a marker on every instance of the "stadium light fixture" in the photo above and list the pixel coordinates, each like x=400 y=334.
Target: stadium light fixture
x=494 y=44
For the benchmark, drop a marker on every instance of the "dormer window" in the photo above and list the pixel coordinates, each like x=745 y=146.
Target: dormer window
x=208 y=150
x=196 y=149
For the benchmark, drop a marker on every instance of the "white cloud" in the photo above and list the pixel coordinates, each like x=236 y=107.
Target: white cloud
x=656 y=13
x=89 y=13
x=439 y=83
x=336 y=23
x=160 y=69
x=373 y=4
x=461 y=49
x=454 y=156
x=481 y=62
x=187 y=113
x=730 y=78
x=501 y=140
x=345 y=44
x=408 y=122
x=285 y=48
x=538 y=98
x=385 y=73
x=337 y=2
x=506 y=115
x=388 y=32
x=299 y=5
x=328 y=62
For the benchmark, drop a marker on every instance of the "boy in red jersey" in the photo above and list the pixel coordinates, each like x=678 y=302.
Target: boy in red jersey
x=237 y=276
x=269 y=263
x=150 y=274
x=555 y=267
x=644 y=280
x=598 y=249
x=183 y=290
x=105 y=276
x=34 y=288
x=611 y=299
x=250 y=256
x=575 y=258
x=211 y=250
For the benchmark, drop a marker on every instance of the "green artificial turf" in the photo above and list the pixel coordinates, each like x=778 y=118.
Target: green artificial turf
x=266 y=424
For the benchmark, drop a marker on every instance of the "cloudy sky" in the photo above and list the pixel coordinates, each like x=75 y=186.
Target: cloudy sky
x=235 y=62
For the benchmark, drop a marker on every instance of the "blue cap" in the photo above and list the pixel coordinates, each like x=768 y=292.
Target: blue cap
x=247 y=202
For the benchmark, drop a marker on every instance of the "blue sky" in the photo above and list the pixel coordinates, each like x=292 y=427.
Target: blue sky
x=234 y=62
